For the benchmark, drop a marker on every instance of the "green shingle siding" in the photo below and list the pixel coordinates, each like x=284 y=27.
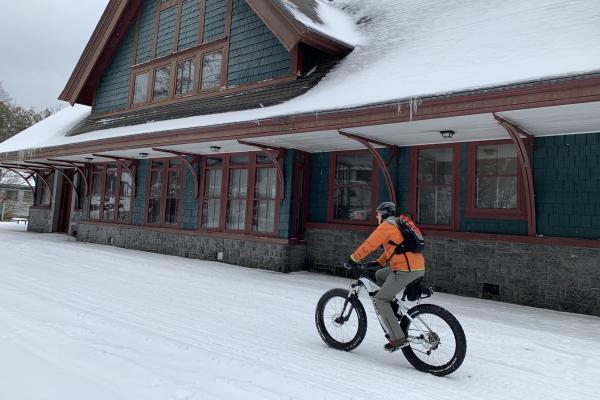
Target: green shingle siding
x=255 y=54
x=146 y=33
x=319 y=187
x=167 y=23
x=285 y=210
x=139 y=202
x=567 y=185
x=189 y=210
x=112 y=93
x=214 y=20
x=189 y=25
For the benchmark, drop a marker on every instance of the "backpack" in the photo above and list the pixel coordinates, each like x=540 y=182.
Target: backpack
x=413 y=238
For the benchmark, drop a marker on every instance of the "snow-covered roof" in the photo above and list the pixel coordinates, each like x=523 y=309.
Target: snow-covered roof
x=407 y=49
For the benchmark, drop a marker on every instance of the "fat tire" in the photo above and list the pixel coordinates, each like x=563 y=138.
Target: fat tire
x=459 y=337
x=362 y=320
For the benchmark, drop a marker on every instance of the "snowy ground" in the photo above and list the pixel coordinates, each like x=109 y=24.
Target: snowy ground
x=81 y=321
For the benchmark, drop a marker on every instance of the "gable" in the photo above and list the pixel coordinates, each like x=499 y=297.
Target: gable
x=163 y=27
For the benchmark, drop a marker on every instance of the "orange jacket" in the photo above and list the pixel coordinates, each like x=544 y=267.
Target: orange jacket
x=386 y=232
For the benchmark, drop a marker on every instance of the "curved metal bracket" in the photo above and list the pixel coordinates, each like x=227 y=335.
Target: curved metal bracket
x=36 y=172
x=268 y=150
x=380 y=161
x=526 y=172
x=123 y=164
x=189 y=166
x=57 y=170
x=78 y=169
x=22 y=176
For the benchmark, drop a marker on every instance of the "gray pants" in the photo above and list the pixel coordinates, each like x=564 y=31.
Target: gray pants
x=391 y=284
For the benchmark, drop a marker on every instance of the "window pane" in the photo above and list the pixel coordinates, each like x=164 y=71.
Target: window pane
x=211 y=70
x=507 y=159
x=265 y=183
x=109 y=208
x=185 y=77
x=263 y=219
x=238 y=183
x=172 y=211
x=161 y=82
x=95 y=207
x=156 y=184
x=140 y=91
x=435 y=205
x=354 y=169
x=126 y=184
x=436 y=166
x=352 y=203
x=110 y=185
x=174 y=184
x=263 y=159
x=211 y=211
x=212 y=186
x=236 y=215
x=497 y=192
x=239 y=160
x=124 y=208
x=153 y=210
x=214 y=161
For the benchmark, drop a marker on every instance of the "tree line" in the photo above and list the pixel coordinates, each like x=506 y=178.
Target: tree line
x=14 y=118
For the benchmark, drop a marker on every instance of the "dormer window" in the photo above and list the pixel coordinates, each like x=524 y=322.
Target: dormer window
x=140 y=91
x=184 y=82
x=161 y=82
x=211 y=70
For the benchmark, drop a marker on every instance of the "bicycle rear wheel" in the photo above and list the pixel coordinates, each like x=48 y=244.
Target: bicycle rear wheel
x=437 y=341
x=341 y=320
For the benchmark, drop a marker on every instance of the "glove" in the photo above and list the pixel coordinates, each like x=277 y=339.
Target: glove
x=352 y=263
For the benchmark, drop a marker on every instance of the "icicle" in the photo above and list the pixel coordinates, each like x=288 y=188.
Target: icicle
x=413 y=106
x=399 y=110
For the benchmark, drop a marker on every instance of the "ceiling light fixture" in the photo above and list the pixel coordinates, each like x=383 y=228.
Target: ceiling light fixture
x=447 y=134
x=143 y=155
x=89 y=159
x=216 y=149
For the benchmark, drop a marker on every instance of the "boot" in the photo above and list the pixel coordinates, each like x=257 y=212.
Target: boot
x=394 y=345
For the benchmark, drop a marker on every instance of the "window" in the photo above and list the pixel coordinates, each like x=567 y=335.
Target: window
x=161 y=82
x=211 y=70
x=496 y=180
x=96 y=194
x=154 y=196
x=353 y=187
x=184 y=82
x=140 y=89
x=45 y=191
x=164 y=192
x=435 y=186
x=239 y=194
x=263 y=216
x=111 y=191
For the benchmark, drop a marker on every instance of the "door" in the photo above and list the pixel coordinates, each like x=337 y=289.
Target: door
x=64 y=213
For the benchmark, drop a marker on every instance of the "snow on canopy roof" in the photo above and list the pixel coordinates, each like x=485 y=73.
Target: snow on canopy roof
x=417 y=48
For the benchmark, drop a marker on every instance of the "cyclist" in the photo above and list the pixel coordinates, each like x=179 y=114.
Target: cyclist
x=404 y=267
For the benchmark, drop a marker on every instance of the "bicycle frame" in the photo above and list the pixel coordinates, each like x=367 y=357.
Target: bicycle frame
x=372 y=289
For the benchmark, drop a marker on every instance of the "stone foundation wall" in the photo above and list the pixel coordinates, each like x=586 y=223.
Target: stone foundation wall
x=555 y=277
x=40 y=219
x=248 y=253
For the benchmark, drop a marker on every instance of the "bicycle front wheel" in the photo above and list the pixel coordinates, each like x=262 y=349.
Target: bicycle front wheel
x=341 y=320
x=437 y=341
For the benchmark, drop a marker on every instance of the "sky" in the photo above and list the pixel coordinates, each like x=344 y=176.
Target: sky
x=40 y=43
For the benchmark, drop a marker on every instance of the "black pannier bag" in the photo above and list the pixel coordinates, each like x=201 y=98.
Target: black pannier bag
x=417 y=290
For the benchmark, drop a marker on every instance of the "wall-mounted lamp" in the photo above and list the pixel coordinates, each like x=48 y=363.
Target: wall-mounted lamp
x=143 y=155
x=216 y=149
x=448 y=134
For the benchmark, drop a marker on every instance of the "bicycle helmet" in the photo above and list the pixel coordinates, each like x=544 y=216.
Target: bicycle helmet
x=386 y=209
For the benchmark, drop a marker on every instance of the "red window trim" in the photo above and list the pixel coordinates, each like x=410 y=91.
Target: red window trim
x=165 y=169
x=252 y=167
x=414 y=176
x=472 y=212
x=332 y=186
x=102 y=173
